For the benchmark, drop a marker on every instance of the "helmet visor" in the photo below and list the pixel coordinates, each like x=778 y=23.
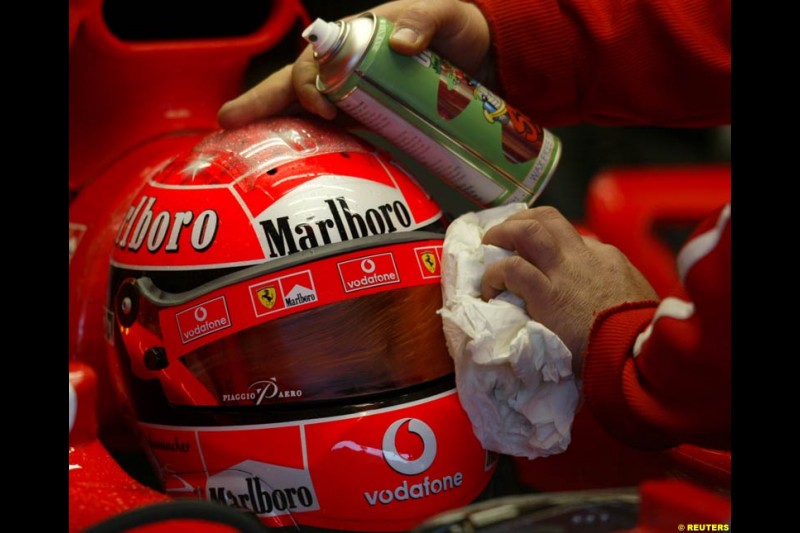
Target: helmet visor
x=345 y=321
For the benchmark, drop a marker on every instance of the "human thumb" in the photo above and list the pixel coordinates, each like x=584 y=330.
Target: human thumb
x=414 y=28
x=406 y=40
x=453 y=28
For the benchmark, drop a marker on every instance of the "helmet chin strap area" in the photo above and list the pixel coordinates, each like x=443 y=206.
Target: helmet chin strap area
x=148 y=356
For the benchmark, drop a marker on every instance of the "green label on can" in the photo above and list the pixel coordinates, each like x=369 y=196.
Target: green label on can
x=472 y=138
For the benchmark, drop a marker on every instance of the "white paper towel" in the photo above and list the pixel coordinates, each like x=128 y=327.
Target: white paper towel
x=513 y=375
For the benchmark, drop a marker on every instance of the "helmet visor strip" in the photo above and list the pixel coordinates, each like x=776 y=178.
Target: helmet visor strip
x=339 y=322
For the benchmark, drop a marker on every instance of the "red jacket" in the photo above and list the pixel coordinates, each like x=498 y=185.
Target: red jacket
x=655 y=375
x=659 y=375
x=614 y=62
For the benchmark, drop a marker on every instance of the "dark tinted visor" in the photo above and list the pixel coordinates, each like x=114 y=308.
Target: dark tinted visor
x=339 y=322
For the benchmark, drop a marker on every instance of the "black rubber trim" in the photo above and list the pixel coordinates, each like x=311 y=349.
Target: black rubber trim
x=213 y=512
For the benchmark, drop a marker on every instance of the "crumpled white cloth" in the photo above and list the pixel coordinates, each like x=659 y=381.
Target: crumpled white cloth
x=513 y=375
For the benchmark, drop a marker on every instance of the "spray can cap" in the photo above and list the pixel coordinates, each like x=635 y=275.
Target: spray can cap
x=322 y=35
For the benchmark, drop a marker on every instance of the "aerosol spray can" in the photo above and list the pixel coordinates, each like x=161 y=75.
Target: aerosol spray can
x=462 y=132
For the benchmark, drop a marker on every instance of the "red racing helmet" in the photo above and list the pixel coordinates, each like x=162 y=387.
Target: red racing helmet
x=273 y=327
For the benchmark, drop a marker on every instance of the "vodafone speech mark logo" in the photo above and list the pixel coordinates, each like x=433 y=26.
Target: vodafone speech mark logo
x=203 y=319
x=396 y=460
x=419 y=487
x=368 y=272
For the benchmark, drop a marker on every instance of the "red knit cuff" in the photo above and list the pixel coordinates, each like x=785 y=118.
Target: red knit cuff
x=606 y=361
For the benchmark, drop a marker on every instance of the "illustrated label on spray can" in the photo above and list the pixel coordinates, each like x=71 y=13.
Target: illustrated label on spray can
x=458 y=129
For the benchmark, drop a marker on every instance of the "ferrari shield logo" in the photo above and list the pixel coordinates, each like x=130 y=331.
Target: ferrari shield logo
x=267 y=296
x=429 y=260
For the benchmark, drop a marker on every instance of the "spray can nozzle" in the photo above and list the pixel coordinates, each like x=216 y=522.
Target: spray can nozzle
x=322 y=35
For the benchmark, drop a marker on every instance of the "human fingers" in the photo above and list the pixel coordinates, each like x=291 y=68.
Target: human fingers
x=292 y=83
x=513 y=274
x=556 y=223
x=567 y=278
x=270 y=95
x=529 y=238
x=457 y=30
x=549 y=303
x=304 y=79
x=541 y=235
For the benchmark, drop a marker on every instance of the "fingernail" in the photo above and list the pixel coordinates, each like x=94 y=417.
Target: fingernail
x=225 y=107
x=228 y=115
x=406 y=36
x=325 y=111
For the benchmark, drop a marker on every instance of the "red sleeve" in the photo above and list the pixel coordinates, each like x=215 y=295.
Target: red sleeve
x=614 y=62
x=659 y=375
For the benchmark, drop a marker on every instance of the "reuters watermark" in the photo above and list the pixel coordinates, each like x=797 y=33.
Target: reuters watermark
x=704 y=527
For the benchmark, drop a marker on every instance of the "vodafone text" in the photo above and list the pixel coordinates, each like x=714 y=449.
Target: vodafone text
x=404 y=491
x=372 y=279
x=208 y=326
